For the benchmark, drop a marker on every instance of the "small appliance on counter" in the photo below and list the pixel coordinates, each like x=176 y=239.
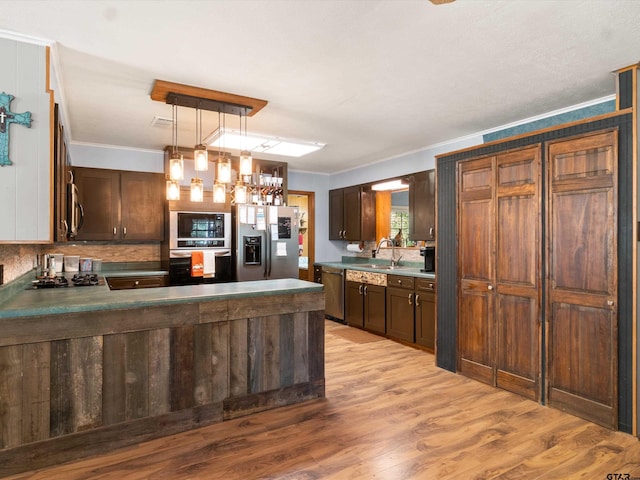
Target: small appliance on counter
x=429 y=254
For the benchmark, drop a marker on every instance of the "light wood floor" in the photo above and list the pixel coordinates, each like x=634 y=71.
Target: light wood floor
x=389 y=414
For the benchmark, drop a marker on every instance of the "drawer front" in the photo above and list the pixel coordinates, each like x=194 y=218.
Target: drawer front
x=400 y=281
x=425 y=284
x=142 y=281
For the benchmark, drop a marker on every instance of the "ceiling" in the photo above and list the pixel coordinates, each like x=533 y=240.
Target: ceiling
x=372 y=79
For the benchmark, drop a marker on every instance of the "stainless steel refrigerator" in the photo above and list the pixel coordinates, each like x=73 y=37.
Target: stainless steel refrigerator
x=265 y=242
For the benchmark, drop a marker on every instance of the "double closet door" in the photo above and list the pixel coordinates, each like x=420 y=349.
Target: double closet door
x=499 y=238
x=502 y=240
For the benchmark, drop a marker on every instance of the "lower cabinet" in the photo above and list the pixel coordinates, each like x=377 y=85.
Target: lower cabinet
x=425 y=303
x=411 y=310
x=400 y=308
x=365 y=306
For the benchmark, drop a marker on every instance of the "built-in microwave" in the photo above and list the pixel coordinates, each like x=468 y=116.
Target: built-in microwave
x=199 y=230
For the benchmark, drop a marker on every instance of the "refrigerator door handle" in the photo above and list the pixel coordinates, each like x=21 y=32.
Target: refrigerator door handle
x=268 y=253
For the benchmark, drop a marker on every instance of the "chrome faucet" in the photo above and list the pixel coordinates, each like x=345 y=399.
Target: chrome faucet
x=394 y=260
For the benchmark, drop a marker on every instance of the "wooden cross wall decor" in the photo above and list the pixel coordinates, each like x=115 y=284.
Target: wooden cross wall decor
x=7 y=117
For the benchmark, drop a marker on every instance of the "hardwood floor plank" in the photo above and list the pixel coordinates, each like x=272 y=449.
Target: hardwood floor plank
x=389 y=413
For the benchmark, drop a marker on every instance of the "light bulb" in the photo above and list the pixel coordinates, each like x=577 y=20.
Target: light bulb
x=219 y=193
x=197 y=190
x=201 y=158
x=173 y=190
x=176 y=167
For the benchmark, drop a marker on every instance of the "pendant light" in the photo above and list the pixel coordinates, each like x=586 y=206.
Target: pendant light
x=224 y=162
x=197 y=190
x=246 y=161
x=176 y=162
x=219 y=193
x=200 y=154
x=240 y=193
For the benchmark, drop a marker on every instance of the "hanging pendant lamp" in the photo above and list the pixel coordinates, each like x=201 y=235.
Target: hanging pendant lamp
x=224 y=162
x=176 y=162
x=200 y=154
x=246 y=161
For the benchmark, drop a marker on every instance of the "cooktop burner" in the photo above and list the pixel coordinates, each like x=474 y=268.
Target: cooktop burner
x=78 y=280
x=85 y=280
x=50 y=282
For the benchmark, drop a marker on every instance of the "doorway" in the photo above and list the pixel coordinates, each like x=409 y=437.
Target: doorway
x=305 y=201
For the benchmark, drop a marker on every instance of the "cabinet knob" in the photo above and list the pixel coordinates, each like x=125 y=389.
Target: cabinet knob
x=417 y=300
x=115 y=231
x=410 y=297
x=399 y=281
x=365 y=290
x=124 y=230
x=431 y=286
x=490 y=287
x=360 y=289
x=431 y=229
x=610 y=303
x=137 y=282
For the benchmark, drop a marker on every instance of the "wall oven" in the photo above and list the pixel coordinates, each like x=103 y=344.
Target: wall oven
x=199 y=231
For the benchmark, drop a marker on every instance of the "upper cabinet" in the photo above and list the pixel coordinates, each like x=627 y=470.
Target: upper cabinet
x=352 y=214
x=120 y=205
x=422 y=194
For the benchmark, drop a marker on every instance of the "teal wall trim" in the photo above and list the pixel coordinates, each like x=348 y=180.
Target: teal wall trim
x=572 y=116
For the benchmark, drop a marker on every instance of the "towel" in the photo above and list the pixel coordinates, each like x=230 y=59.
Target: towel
x=197 y=263
x=209 y=264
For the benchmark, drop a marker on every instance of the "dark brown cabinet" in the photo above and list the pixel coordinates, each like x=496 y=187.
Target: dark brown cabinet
x=400 y=308
x=365 y=306
x=352 y=214
x=425 y=309
x=422 y=219
x=120 y=205
x=411 y=310
x=137 y=281
x=499 y=255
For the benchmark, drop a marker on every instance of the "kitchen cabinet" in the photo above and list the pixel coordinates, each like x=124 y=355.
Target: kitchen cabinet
x=120 y=205
x=411 y=310
x=425 y=311
x=422 y=219
x=352 y=214
x=130 y=282
x=499 y=334
x=365 y=300
x=400 y=308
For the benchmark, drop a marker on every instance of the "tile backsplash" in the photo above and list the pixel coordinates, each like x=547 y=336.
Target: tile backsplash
x=19 y=259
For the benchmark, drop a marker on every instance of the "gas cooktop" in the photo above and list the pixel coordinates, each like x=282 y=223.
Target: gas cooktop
x=78 y=280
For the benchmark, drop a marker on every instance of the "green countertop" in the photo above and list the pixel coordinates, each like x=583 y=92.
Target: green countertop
x=26 y=302
x=411 y=269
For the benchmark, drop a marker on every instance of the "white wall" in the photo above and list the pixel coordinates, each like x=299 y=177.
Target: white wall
x=26 y=185
x=116 y=158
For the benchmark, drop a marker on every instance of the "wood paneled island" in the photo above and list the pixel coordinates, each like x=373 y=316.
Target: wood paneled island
x=89 y=370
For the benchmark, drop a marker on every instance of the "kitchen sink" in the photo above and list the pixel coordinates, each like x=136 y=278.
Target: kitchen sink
x=378 y=266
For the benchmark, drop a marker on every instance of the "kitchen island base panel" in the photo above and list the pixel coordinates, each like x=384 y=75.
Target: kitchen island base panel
x=63 y=399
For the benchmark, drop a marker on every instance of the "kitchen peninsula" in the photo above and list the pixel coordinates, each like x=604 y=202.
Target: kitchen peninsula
x=88 y=370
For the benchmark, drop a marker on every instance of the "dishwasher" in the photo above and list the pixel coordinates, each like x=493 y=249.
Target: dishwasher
x=333 y=281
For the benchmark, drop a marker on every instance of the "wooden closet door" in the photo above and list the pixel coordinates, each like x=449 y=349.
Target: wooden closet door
x=582 y=277
x=476 y=251
x=518 y=272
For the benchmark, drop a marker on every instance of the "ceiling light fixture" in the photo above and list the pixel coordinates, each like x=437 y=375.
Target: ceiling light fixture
x=176 y=162
x=200 y=155
x=246 y=161
x=390 y=185
x=254 y=142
